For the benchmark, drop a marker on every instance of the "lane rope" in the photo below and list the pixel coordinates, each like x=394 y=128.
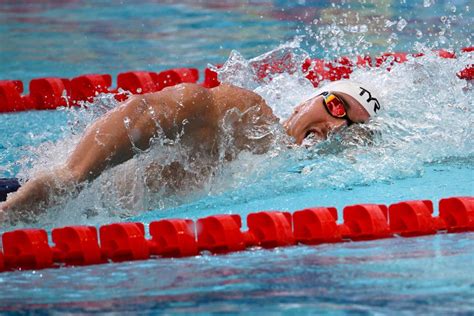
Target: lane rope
x=26 y=249
x=53 y=92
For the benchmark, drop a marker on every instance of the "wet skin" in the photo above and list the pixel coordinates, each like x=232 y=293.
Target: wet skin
x=188 y=110
x=311 y=117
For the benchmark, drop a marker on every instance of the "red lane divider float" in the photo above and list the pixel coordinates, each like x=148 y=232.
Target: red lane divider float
x=79 y=245
x=210 y=78
x=457 y=213
x=76 y=245
x=11 y=99
x=414 y=218
x=220 y=234
x=314 y=226
x=86 y=87
x=173 y=238
x=27 y=249
x=318 y=70
x=270 y=229
x=50 y=93
x=361 y=222
x=124 y=242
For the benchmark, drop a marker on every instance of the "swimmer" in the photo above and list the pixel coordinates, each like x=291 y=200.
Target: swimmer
x=190 y=114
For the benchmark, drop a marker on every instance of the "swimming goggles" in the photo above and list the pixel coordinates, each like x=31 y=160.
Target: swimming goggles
x=335 y=106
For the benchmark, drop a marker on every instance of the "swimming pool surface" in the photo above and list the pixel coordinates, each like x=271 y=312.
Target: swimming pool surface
x=423 y=149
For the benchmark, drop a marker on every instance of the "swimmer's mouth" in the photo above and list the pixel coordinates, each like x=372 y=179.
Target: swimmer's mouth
x=312 y=133
x=308 y=134
x=316 y=133
x=311 y=137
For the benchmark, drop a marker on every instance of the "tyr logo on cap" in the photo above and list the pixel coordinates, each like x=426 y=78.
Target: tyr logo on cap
x=376 y=105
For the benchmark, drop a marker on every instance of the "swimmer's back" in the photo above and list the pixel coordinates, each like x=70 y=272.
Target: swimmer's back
x=231 y=97
x=207 y=110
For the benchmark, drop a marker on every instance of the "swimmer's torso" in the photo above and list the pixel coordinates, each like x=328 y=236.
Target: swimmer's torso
x=219 y=124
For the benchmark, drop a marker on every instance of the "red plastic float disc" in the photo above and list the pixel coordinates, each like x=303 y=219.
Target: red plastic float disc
x=86 y=87
x=10 y=96
x=412 y=218
x=316 y=226
x=271 y=229
x=2 y=262
x=27 y=249
x=457 y=213
x=49 y=93
x=124 y=242
x=173 y=238
x=76 y=245
x=220 y=233
x=137 y=82
x=365 y=222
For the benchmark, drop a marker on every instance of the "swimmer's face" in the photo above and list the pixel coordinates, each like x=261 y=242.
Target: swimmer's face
x=312 y=118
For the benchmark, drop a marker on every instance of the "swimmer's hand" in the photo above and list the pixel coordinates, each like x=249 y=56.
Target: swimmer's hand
x=16 y=210
x=37 y=195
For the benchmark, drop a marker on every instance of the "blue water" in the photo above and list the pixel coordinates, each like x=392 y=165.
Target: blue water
x=424 y=150
x=427 y=275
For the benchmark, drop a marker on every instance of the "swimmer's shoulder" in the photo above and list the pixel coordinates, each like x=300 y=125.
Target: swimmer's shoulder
x=194 y=98
x=181 y=93
x=186 y=97
x=191 y=93
x=228 y=96
x=226 y=91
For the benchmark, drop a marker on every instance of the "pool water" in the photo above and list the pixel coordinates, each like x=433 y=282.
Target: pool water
x=421 y=148
x=418 y=275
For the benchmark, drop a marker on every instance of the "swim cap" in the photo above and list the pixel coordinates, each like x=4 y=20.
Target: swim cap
x=363 y=93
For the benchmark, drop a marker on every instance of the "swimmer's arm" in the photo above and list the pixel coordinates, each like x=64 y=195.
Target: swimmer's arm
x=105 y=143
x=113 y=139
x=117 y=136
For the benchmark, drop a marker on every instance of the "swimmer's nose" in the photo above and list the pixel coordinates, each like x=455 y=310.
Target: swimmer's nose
x=289 y=126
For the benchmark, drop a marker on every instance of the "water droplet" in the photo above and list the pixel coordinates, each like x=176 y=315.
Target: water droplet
x=126 y=121
x=389 y=23
x=402 y=23
x=419 y=34
x=428 y=3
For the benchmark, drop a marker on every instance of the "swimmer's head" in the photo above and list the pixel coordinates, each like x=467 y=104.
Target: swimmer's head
x=332 y=107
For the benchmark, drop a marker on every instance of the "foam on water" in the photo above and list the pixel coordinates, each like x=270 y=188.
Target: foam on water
x=426 y=118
